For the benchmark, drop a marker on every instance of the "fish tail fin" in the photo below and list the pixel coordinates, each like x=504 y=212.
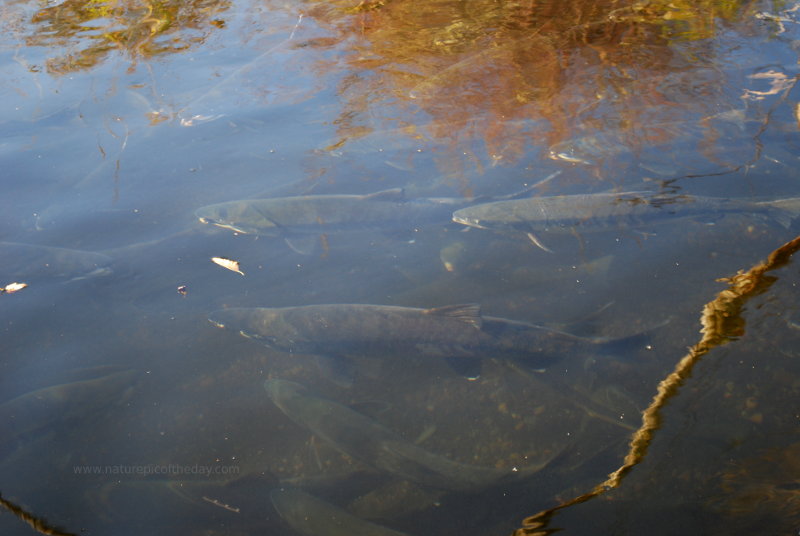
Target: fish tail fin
x=784 y=211
x=622 y=346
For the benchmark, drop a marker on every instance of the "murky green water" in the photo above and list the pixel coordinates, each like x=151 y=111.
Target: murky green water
x=121 y=119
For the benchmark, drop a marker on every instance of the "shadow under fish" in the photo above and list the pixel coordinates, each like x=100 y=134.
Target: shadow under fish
x=457 y=333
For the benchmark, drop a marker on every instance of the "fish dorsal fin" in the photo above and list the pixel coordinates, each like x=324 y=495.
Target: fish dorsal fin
x=469 y=313
x=394 y=194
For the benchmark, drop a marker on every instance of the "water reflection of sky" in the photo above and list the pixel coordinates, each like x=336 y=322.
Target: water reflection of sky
x=122 y=118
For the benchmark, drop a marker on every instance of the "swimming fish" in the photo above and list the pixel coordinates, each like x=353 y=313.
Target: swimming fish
x=31 y=262
x=319 y=213
x=312 y=516
x=597 y=212
x=368 y=441
x=45 y=407
x=456 y=332
x=719 y=142
x=298 y=217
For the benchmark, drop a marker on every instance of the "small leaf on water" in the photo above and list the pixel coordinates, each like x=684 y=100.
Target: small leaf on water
x=797 y=113
x=230 y=264
x=13 y=287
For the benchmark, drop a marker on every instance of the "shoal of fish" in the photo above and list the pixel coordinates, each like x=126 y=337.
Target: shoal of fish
x=336 y=333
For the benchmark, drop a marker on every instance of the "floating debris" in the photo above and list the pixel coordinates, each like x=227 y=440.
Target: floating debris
x=797 y=113
x=778 y=83
x=215 y=502
x=229 y=264
x=13 y=287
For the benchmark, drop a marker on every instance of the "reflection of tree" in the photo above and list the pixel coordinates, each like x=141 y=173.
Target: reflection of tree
x=515 y=73
x=510 y=74
x=137 y=28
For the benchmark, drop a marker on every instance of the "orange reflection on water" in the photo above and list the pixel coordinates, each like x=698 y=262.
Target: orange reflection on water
x=511 y=76
x=528 y=73
x=92 y=29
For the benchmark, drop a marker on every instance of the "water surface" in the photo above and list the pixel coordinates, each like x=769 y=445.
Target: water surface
x=121 y=119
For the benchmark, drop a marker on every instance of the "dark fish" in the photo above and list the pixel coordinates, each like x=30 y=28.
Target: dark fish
x=48 y=406
x=28 y=262
x=596 y=212
x=368 y=441
x=311 y=516
x=457 y=332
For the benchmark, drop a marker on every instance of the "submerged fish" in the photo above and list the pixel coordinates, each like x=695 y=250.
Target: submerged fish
x=368 y=441
x=311 y=213
x=48 y=406
x=32 y=262
x=723 y=141
x=295 y=218
x=597 y=212
x=456 y=332
x=311 y=516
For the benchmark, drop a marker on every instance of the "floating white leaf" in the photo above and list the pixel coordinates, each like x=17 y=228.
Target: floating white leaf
x=230 y=264
x=13 y=287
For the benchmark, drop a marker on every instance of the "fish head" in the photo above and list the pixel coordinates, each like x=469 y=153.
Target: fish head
x=262 y=324
x=239 y=216
x=467 y=217
x=580 y=150
x=496 y=215
x=280 y=390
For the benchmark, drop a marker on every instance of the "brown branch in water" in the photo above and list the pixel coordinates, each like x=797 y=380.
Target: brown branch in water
x=722 y=323
x=38 y=525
